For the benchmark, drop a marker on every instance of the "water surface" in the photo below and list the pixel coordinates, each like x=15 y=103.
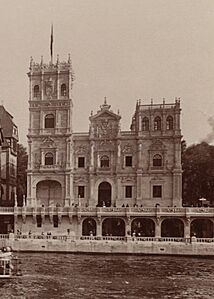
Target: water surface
x=110 y=276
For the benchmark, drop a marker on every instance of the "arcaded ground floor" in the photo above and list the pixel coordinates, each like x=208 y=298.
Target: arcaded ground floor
x=202 y=227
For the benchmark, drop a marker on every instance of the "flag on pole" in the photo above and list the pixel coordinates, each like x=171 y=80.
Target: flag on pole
x=51 y=44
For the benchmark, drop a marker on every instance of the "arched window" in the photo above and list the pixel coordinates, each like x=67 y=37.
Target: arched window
x=104 y=161
x=145 y=124
x=36 y=91
x=169 y=123
x=157 y=123
x=49 y=159
x=63 y=89
x=49 y=121
x=157 y=160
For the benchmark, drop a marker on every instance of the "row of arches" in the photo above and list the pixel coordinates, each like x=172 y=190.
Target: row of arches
x=36 y=90
x=145 y=227
x=157 y=123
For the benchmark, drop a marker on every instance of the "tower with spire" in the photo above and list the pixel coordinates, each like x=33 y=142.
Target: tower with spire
x=50 y=133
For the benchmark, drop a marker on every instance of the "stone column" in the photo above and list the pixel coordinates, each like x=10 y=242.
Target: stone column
x=187 y=228
x=128 y=227
x=29 y=191
x=92 y=155
x=99 y=227
x=42 y=157
x=57 y=157
x=177 y=188
x=118 y=189
x=91 y=184
x=68 y=153
x=158 y=228
x=71 y=189
x=68 y=193
x=79 y=226
x=29 y=154
x=138 y=191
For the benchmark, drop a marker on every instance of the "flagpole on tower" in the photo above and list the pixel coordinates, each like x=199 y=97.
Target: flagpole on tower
x=51 y=44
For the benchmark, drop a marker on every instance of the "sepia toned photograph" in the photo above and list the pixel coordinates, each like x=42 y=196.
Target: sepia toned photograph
x=107 y=149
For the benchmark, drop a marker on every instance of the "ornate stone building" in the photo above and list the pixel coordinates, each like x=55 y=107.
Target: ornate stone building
x=105 y=183
x=106 y=166
x=91 y=183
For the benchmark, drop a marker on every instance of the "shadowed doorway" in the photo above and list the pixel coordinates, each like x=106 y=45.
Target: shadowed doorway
x=104 y=195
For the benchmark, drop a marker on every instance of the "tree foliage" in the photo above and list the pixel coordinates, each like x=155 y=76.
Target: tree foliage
x=198 y=173
x=22 y=159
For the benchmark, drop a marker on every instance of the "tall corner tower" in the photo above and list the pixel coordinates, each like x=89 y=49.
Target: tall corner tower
x=50 y=181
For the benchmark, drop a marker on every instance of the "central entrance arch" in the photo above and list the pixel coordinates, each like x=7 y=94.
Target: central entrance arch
x=104 y=194
x=49 y=193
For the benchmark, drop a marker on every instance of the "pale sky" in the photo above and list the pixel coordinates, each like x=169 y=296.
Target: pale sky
x=122 y=49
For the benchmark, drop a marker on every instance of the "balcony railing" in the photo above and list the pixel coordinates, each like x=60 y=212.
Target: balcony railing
x=111 y=211
x=130 y=239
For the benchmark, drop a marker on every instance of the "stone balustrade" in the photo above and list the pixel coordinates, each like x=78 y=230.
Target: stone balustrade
x=106 y=238
x=112 y=211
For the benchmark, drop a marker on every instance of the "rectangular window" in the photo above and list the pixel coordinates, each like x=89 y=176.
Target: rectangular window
x=81 y=162
x=157 y=191
x=81 y=191
x=55 y=221
x=128 y=161
x=128 y=191
x=39 y=220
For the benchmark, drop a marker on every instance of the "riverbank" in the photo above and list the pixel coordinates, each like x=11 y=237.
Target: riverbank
x=111 y=245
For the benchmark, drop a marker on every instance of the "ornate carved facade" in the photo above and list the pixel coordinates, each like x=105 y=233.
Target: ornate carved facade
x=106 y=166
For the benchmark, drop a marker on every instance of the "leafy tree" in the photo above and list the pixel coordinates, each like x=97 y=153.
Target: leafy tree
x=22 y=159
x=198 y=173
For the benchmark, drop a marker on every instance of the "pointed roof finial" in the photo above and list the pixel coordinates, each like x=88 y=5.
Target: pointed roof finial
x=57 y=59
x=91 y=112
x=31 y=61
x=69 y=58
x=41 y=60
x=105 y=105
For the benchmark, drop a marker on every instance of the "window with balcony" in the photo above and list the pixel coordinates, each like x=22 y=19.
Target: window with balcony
x=49 y=159
x=81 y=191
x=157 y=123
x=81 y=162
x=157 y=191
x=36 y=91
x=104 y=162
x=63 y=90
x=145 y=124
x=157 y=160
x=169 y=123
x=128 y=161
x=49 y=121
x=128 y=191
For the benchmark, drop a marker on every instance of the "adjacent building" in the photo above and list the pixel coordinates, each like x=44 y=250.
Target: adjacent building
x=8 y=157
